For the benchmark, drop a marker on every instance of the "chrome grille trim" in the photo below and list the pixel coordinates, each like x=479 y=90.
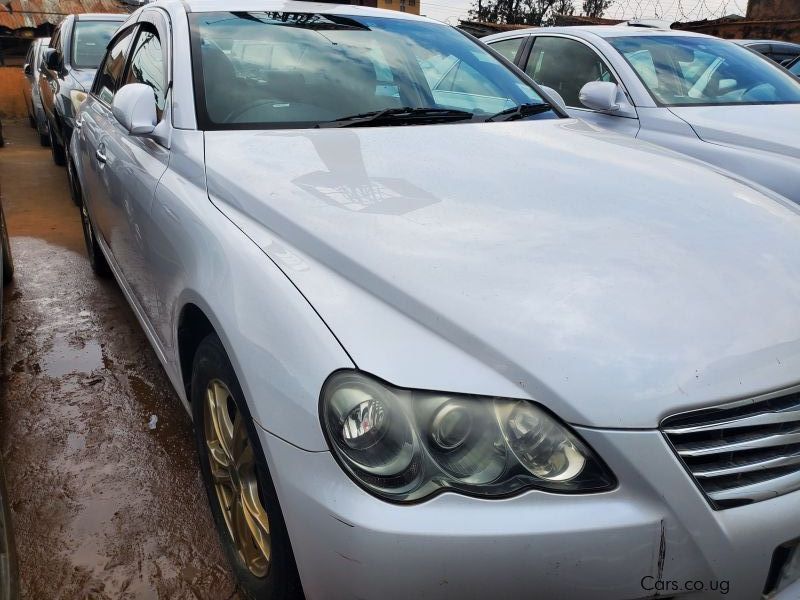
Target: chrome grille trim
x=753 y=444
x=741 y=452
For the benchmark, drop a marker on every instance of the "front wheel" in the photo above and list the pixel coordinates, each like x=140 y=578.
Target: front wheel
x=243 y=500
x=74 y=186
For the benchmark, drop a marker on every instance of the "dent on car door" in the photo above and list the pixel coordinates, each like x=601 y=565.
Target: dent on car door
x=566 y=65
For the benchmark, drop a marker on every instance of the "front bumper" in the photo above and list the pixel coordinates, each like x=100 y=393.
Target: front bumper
x=655 y=535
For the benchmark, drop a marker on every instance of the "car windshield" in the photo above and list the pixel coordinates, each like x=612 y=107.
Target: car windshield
x=289 y=70
x=89 y=41
x=690 y=71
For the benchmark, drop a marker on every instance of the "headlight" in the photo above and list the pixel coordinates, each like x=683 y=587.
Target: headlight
x=78 y=97
x=404 y=445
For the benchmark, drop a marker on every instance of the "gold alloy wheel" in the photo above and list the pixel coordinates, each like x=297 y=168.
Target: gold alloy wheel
x=233 y=471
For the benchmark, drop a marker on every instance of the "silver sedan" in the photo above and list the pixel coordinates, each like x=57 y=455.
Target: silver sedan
x=699 y=95
x=438 y=339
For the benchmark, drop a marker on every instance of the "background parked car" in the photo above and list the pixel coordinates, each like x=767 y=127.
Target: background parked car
x=8 y=557
x=33 y=99
x=794 y=67
x=780 y=52
x=70 y=62
x=693 y=93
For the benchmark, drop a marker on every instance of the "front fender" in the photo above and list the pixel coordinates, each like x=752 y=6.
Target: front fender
x=279 y=347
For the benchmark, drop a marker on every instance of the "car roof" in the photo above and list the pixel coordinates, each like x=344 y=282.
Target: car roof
x=195 y=6
x=603 y=31
x=101 y=17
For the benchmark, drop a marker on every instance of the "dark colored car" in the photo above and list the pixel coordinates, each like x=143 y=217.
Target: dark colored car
x=781 y=52
x=68 y=67
x=8 y=557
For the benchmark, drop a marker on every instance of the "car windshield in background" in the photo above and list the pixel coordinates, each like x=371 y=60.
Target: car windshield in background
x=795 y=68
x=688 y=71
x=89 y=42
x=290 y=70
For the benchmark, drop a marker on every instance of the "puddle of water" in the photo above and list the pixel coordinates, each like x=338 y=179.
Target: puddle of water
x=67 y=358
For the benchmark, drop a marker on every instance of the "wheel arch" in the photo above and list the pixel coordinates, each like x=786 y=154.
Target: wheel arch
x=193 y=327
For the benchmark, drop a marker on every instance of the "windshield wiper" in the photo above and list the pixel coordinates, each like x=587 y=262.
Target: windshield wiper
x=520 y=112
x=400 y=116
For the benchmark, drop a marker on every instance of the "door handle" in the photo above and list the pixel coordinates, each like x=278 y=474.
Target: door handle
x=101 y=157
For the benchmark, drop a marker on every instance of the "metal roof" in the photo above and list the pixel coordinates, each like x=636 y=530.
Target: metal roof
x=30 y=14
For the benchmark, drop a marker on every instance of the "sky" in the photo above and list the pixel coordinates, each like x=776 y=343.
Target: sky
x=680 y=10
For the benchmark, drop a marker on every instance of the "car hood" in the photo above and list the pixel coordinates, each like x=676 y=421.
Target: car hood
x=608 y=279
x=771 y=128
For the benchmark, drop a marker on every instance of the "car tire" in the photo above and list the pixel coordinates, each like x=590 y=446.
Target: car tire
x=227 y=434
x=74 y=186
x=97 y=259
x=59 y=155
x=8 y=261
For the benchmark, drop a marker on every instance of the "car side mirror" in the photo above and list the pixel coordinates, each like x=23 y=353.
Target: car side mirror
x=52 y=59
x=134 y=106
x=605 y=96
x=27 y=68
x=554 y=97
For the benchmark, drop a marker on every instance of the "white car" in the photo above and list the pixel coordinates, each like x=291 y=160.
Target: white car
x=699 y=95
x=438 y=340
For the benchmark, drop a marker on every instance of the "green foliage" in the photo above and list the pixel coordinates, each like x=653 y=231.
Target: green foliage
x=521 y=12
x=596 y=8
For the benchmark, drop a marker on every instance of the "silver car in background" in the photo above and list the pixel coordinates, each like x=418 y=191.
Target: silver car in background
x=697 y=94
x=439 y=340
x=33 y=99
x=778 y=51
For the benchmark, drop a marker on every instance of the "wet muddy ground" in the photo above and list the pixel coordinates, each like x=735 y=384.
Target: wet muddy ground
x=103 y=506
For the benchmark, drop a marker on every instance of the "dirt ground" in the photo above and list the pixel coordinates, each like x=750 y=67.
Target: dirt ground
x=103 y=506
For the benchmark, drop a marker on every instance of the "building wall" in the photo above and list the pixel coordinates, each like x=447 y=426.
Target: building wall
x=409 y=6
x=12 y=102
x=758 y=10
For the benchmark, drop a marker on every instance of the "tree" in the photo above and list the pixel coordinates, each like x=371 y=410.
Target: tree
x=596 y=8
x=522 y=12
x=560 y=7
